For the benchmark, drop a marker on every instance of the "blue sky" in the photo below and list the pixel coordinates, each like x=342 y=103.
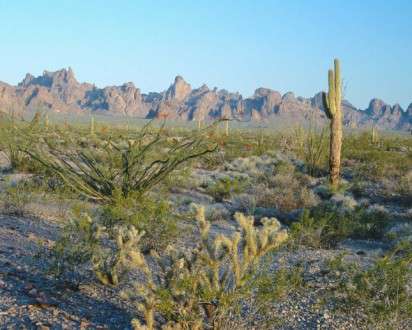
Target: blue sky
x=237 y=45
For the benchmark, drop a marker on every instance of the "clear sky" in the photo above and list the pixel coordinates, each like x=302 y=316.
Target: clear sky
x=238 y=45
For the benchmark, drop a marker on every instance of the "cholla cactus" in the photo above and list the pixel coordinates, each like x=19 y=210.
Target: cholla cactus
x=108 y=267
x=193 y=289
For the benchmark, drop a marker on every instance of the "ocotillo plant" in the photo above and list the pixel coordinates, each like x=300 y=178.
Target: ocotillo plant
x=130 y=166
x=332 y=104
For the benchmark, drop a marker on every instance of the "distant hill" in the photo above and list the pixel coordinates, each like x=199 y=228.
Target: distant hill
x=59 y=91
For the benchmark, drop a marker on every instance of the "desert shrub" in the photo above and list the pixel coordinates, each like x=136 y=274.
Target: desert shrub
x=310 y=145
x=265 y=289
x=132 y=165
x=180 y=178
x=404 y=188
x=245 y=203
x=192 y=290
x=217 y=212
x=213 y=160
x=286 y=193
x=308 y=230
x=377 y=161
x=225 y=187
x=381 y=291
x=15 y=199
x=326 y=226
x=94 y=241
x=273 y=286
x=260 y=168
x=153 y=216
x=13 y=140
x=241 y=144
x=110 y=251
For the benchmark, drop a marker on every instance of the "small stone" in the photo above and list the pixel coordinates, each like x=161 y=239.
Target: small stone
x=28 y=287
x=42 y=299
x=42 y=326
x=84 y=325
x=33 y=292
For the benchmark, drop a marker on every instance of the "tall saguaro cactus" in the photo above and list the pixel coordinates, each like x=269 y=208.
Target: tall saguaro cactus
x=332 y=104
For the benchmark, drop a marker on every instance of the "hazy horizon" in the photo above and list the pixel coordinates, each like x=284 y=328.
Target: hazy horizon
x=238 y=46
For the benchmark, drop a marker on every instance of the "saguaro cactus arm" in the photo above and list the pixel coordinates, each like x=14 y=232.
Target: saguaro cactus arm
x=332 y=100
x=338 y=88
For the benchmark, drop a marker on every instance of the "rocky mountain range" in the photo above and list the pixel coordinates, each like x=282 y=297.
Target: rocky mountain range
x=59 y=91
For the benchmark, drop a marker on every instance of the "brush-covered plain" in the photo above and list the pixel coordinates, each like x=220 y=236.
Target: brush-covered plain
x=159 y=227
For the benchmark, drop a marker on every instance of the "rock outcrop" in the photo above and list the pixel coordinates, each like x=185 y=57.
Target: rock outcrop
x=59 y=91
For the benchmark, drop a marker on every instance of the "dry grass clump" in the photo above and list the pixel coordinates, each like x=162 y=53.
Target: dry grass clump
x=286 y=193
x=254 y=166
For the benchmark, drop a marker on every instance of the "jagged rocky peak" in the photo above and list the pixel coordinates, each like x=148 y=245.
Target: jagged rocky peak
x=397 y=109
x=129 y=86
x=377 y=107
x=60 y=77
x=179 y=90
x=50 y=78
x=63 y=74
x=27 y=80
x=60 y=92
x=263 y=92
x=289 y=96
x=269 y=97
x=317 y=100
x=203 y=89
x=409 y=110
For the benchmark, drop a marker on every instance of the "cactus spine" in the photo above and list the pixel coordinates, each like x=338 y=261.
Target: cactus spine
x=332 y=104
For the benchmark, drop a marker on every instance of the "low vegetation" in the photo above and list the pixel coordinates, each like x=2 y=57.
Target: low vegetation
x=183 y=222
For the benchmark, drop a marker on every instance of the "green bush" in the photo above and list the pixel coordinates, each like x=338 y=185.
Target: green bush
x=326 y=226
x=110 y=251
x=225 y=187
x=154 y=217
x=381 y=291
x=15 y=199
